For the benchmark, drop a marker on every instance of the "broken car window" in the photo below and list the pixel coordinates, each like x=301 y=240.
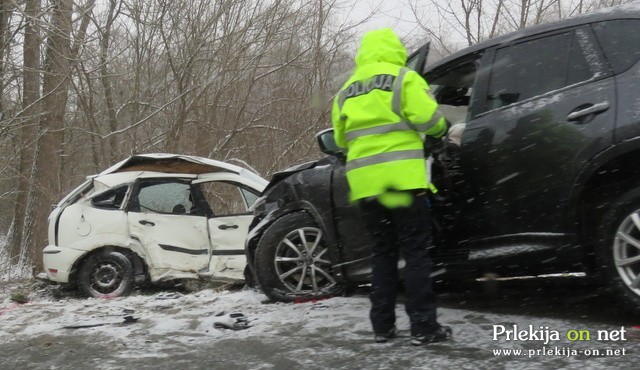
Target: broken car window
x=111 y=199
x=164 y=197
x=224 y=198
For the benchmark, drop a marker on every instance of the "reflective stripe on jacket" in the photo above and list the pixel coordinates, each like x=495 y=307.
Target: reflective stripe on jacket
x=379 y=116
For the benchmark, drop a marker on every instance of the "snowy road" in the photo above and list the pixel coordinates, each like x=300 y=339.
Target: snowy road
x=176 y=330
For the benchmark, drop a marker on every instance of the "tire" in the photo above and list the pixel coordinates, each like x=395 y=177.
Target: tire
x=285 y=270
x=106 y=274
x=619 y=250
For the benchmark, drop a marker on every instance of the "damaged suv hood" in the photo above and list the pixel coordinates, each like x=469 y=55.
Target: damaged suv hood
x=279 y=176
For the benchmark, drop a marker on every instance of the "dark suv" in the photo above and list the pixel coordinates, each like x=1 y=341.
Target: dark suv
x=544 y=176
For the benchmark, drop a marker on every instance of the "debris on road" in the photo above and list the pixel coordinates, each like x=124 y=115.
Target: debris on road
x=232 y=321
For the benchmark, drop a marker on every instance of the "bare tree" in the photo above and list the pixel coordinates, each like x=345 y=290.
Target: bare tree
x=29 y=120
x=46 y=177
x=105 y=39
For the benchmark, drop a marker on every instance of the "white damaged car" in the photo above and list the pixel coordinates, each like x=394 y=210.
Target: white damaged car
x=152 y=217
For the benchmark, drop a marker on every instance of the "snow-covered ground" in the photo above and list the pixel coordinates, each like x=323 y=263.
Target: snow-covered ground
x=170 y=330
x=8 y=269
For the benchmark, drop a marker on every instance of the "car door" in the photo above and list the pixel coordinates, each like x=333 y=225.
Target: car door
x=417 y=60
x=227 y=205
x=542 y=111
x=161 y=218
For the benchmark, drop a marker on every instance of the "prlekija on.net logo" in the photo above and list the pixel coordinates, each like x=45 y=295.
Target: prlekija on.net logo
x=545 y=334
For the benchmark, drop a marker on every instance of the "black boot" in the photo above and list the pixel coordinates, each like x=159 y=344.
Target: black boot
x=385 y=337
x=440 y=334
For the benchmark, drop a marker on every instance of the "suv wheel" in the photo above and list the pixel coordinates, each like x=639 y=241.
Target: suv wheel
x=619 y=254
x=106 y=274
x=292 y=261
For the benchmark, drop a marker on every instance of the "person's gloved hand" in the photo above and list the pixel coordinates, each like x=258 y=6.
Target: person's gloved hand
x=431 y=145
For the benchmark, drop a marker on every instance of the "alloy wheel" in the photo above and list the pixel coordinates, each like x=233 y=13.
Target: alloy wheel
x=626 y=251
x=301 y=262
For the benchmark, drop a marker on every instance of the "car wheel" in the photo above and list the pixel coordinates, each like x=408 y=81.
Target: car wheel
x=106 y=274
x=291 y=260
x=619 y=253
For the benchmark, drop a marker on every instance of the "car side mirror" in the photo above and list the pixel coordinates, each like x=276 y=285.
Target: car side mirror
x=327 y=143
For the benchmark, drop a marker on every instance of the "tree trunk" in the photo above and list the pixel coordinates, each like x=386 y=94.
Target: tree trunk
x=85 y=13
x=4 y=44
x=105 y=38
x=29 y=119
x=45 y=176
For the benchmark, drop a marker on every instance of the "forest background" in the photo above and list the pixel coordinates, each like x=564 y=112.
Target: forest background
x=86 y=83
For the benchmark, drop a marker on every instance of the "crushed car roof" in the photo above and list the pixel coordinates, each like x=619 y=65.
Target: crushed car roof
x=171 y=163
x=176 y=163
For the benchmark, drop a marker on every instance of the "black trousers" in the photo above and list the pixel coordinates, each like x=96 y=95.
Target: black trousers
x=405 y=230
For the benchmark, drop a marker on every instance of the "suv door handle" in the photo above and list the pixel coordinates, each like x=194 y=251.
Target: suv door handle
x=224 y=227
x=145 y=222
x=590 y=109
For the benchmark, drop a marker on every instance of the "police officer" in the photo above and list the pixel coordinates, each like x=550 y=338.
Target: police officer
x=380 y=115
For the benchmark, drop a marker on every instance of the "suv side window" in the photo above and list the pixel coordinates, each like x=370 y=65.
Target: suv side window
x=452 y=86
x=535 y=67
x=620 y=41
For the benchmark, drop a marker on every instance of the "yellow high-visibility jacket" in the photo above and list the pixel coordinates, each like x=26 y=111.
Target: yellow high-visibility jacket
x=379 y=116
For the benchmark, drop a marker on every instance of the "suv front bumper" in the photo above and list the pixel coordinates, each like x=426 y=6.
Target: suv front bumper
x=58 y=262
